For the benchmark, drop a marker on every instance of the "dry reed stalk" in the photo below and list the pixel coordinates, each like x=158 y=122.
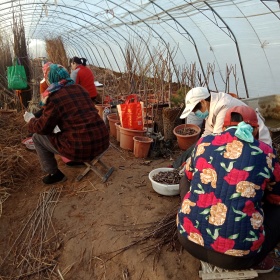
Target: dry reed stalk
x=9 y=100
x=5 y=57
x=160 y=233
x=20 y=52
x=13 y=165
x=3 y=196
x=33 y=252
x=56 y=51
x=211 y=69
x=14 y=168
x=12 y=129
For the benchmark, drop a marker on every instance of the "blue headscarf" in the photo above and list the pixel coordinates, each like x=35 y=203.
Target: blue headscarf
x=56 y=77
x=244 y=132
x=57 y=73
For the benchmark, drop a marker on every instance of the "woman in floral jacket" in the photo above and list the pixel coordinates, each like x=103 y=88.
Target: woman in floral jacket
x=230 y=217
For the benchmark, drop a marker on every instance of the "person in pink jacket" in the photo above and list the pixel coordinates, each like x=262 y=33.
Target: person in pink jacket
x=83 y=76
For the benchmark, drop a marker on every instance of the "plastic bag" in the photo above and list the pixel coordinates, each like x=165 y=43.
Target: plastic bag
x=16 y=76
x=28 y=142
x=131 y=113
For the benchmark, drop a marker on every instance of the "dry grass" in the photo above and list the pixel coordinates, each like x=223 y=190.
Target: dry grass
x=155 y=236
x=34 y=253
x=56 y=51
x=13 y=165
x=5 y=57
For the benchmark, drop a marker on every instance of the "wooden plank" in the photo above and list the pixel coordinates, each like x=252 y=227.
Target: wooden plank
x=229 y=275
x=3 y=111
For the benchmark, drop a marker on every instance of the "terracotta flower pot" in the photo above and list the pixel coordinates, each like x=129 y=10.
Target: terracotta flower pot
x=126 y=137
x=186 y=140
x=142 y=146
x=113 y=118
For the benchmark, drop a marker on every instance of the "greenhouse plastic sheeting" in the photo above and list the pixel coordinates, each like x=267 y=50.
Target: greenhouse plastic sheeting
x=244 y=35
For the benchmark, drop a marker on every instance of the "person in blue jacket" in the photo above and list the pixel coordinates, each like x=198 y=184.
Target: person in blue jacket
x=230 y=211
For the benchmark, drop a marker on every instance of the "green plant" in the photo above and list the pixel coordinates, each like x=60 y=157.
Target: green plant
x=178 y=99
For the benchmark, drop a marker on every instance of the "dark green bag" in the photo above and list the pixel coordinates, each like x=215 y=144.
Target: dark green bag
x=16 y=76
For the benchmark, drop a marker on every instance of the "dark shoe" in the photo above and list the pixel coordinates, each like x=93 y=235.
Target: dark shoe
x=266 y=266
x=58 y=177
x=74 y=163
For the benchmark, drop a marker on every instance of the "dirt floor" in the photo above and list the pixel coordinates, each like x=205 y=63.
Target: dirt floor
x=74 y=230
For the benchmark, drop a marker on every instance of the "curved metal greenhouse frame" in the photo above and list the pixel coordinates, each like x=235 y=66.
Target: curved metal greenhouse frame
x=239 y=34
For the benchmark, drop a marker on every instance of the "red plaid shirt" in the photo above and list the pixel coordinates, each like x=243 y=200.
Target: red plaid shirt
x=83 y=135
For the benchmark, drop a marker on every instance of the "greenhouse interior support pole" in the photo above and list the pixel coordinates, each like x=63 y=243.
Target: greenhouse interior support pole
x=236 y=44
x=197 y=52
x=269 y=7
x=65 y=6
x=121 y=6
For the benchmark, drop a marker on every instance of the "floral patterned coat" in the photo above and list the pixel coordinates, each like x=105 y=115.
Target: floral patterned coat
x=229 y=180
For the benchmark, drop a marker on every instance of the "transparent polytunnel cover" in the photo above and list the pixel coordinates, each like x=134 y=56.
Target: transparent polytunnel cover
x=235 y=40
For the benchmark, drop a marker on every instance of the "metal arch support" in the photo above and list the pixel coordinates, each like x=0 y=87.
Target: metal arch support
x=72 y=43
x=269 y=8
x=72 y=8
x=128 y=26
x=236 y=44
x=230 y=33
x=76 y=43
x=82 y=39
x=192 y=40
x=140 y=36
x=135 y=33
x=77 y=36
x=96 y=48
x=107 y=34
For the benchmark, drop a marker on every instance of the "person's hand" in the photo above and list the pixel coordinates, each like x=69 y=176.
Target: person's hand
x=28 y=116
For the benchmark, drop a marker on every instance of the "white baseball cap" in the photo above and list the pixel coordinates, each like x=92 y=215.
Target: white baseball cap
x=194 y=96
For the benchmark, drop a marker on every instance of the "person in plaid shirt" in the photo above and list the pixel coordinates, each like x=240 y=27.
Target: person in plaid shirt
x=230 y=211
x=83 y=134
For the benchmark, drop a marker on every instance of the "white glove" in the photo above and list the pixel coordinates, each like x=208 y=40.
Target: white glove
x=56 y=129
x=28 y=116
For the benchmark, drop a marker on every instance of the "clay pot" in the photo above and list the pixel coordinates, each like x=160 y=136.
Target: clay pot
x=185 y=141
x=101 y=108
x=117 y=125
x=126 y=137
x=113 y=118
x=142 y=146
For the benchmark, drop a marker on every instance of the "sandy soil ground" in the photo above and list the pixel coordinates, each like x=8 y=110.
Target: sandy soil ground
x=74 y=230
